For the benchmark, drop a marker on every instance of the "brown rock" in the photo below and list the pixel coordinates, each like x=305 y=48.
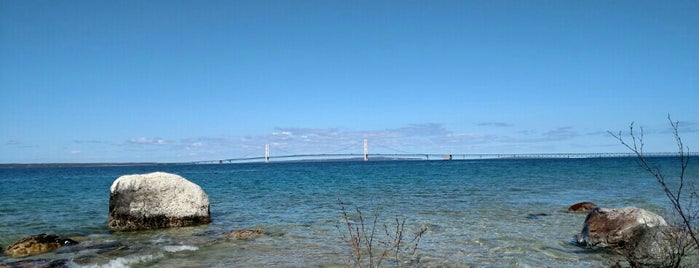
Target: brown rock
x=582 y=207
x=36 y=244
x=605 y=227
x=245 y=234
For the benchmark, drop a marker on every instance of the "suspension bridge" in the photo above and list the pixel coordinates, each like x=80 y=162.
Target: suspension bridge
x=365 y=156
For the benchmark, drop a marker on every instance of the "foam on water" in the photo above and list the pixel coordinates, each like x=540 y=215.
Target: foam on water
x=125 y=262
x=180 y=248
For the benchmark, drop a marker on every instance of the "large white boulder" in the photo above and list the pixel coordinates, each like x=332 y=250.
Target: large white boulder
x=156 y=200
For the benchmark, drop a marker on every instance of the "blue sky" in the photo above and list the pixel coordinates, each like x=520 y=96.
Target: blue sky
x=106 y=81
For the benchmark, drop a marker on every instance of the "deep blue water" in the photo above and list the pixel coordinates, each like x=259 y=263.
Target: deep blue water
x=476 y=212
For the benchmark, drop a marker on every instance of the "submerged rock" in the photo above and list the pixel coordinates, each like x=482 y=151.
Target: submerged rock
x=582 y=207
x=245 y=234
x=37 y=244
x=90 y=252
x=156 y=200
x=606 y=227
x=40 y=263
x=534 y=216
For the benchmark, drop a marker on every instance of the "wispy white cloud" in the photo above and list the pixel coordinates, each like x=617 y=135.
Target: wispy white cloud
x=146 y=141
x=686 y=127
x=91 y=142
x=19 y=144
x=682 y=127
x=495 y=124
x=422 y=130
x=195 y=145
x=598 y=133
x=471 y=138
x=531 y=136
x=561 y=133
x=13 y=142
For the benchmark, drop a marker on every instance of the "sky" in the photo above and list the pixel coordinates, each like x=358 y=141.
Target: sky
x=178 y=81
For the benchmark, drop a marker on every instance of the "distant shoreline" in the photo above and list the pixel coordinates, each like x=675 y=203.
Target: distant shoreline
x=375 y=159
x=50 y=165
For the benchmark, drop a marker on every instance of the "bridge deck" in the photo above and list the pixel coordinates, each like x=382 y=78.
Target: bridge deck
x=431 y=156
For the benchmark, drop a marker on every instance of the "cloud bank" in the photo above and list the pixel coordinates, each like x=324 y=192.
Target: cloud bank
x=413 y=138
x=424 y=138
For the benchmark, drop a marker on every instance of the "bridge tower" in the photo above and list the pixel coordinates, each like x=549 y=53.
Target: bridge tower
x=266 y=153
x=366 y=150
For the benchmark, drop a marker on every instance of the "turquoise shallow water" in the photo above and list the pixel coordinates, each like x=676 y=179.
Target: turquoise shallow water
x=477 y=213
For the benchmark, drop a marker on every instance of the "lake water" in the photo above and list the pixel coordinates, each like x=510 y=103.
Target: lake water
x=479 y=213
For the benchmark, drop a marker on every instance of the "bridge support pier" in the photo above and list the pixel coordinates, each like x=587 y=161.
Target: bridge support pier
x=366 y=150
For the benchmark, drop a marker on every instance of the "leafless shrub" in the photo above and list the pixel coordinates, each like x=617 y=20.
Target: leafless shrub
x=676 y=242
x=370 y=248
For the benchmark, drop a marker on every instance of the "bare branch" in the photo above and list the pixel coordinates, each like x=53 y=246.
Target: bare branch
x=683 y=207
x=366 y=243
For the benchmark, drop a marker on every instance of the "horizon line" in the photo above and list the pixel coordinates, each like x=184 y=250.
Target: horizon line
x=359 y=157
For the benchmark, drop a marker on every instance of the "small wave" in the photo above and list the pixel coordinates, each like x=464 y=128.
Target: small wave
x=180 y=248
x=124 y=262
